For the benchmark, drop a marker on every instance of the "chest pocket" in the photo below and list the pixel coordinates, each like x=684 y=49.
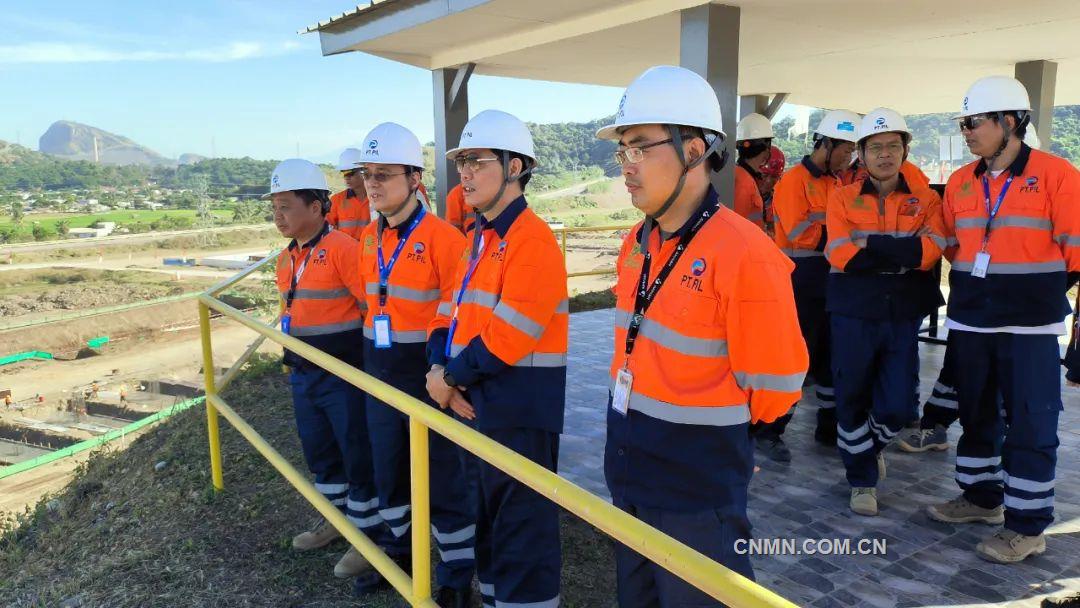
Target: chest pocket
x=1028 y=193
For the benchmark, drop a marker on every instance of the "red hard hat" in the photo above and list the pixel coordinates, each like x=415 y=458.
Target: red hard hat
x=776 y=163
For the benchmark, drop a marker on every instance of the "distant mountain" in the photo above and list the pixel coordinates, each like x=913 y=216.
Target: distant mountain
x=190 y=159
x=75 y=141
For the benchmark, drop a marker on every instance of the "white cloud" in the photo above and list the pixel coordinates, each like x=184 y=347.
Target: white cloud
x=47 y=52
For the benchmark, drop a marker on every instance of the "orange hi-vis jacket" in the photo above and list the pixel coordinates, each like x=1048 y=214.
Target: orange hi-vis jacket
x=326 y=310
x=719 y=347
x=748 y=202
x=799 y=202
x=349 y=214
x=1034 y=242
x=913 y=174
x=889 y=277
x=421 y=277
x=458 y=212
x=509 y=342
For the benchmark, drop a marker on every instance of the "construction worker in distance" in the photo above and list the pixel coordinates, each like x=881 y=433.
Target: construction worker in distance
x=771 y=172
x=1014 y=216
x=706 y=339
x=318 y=276
x=458 y=213
x=941 y=410
x=885 y=237
x=350 y=211
x=498 y=355
x=753 y=143
x=799 y=202
x=407 y=261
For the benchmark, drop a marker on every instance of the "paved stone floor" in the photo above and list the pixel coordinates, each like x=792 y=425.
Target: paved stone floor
x=927 y=563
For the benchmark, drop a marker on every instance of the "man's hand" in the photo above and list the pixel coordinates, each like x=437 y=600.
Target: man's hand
x=460 y=405
x=437 y=388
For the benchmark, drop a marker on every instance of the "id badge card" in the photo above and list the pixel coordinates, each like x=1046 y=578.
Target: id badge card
x=981 y=265
x=382 y=330
x=620 y=398
x=286 y=323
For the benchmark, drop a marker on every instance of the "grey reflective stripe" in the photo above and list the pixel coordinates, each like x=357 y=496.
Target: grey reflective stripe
x=1068 y=241
x=803 y=253
x=400 y=531
x=460 y=536
x=457 y=554
x=330 y=328
x=455 y=349
x=394 y=512
x=674 y=340
x=445 y=309
x=487 y=589
x=542 y=360
x=519 y=321
x=1022 y=504
x=1058 y=266
x=332 y=488
x=1027 y=485
x=756 y=216
x=1012 y=221
x=563 y=308
x=418 y=336
x=834 y=243
x=799 y=229
x=939 y=240
x=366 y=522
x=481 y=298
x=719 y=415
x=952 y=241
x=352 y=224
x=771 y=382
x=817 y=217
x=321 y=294
x=406 y=293
x=361 y=506
x=552 y=603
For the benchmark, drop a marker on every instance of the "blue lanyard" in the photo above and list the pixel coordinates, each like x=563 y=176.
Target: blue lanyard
x=992 y=213
x=384 y=267
x=474 y=261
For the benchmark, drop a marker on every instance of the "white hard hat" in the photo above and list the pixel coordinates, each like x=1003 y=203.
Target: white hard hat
x=753 y=126
x=995 y=94
x=495 y=130
x=1031 y=138
x=348 y=159
x=839 y=124
x=667 y=95
x=883 y=120
x=392 y=144
x=297 y=174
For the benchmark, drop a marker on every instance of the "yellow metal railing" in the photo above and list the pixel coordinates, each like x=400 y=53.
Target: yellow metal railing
x=686 y=563
x=562 y=232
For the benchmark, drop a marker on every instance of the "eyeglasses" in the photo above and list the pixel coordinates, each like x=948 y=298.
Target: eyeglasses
x=879 y=149
x=348 y=174
x=635 y=154
x=378 y=177
x=970 y=123
x=473 y=163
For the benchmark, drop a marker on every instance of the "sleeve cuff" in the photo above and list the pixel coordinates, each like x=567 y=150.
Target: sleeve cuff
x=474 y=363
x=436 y=347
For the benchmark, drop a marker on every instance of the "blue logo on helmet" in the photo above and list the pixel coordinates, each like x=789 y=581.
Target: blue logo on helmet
x=847 y=125
x=698 y=267
x=373 y=144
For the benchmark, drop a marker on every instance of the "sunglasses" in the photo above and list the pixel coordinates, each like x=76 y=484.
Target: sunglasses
x=970 y=123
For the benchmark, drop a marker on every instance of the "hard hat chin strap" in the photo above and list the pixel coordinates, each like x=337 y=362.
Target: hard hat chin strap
x=1020 y=121
x=677 y=142
x=506 y=181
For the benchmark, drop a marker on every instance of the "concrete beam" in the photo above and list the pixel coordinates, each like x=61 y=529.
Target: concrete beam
x=752 y=104
x=709 y=45
x=775 y=105
x=451 y=101
x=1040 y=79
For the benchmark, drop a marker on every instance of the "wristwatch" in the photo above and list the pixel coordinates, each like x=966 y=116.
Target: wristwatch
x=448 y=379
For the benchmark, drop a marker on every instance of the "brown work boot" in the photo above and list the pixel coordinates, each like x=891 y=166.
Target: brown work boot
x=1008 y=547
x=351 y=564
x=864 y=501
x=961 y=511
x=319 y=536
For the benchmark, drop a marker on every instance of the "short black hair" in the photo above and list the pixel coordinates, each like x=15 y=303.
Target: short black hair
x=310 y=196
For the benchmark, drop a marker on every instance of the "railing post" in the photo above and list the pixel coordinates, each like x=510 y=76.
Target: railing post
x=421 y=512
x=564 y=246
x=211 y=411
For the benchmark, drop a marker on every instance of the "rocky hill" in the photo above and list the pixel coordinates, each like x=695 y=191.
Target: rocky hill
x=75 y=141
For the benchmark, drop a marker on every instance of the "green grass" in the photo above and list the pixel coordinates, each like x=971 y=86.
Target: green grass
x=83 y=220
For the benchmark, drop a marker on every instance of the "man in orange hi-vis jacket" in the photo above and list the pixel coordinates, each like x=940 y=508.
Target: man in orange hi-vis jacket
x=885 y=236
x=498 y=355
x=349 y=209
x=458 y=212
x=799 y=202
x=706 y=338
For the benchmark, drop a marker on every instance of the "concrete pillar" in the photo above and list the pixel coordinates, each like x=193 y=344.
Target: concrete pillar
x=709 y=45
x=1040 y=79
x=752 y=104
x=451 y=101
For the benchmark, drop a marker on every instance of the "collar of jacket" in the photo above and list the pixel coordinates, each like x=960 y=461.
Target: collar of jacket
x=322 y=233
x=901 y=186
x=409 y=220
x=506 y=219
x=709 y=202
x=1016 y=168
x=811 y=167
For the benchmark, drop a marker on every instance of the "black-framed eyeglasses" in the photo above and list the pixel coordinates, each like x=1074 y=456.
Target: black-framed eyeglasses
x=377 y=176
x=635 y=154
x=970 y=123
x=472 y=163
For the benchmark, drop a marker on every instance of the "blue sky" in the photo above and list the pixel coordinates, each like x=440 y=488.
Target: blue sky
x=233 y=74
